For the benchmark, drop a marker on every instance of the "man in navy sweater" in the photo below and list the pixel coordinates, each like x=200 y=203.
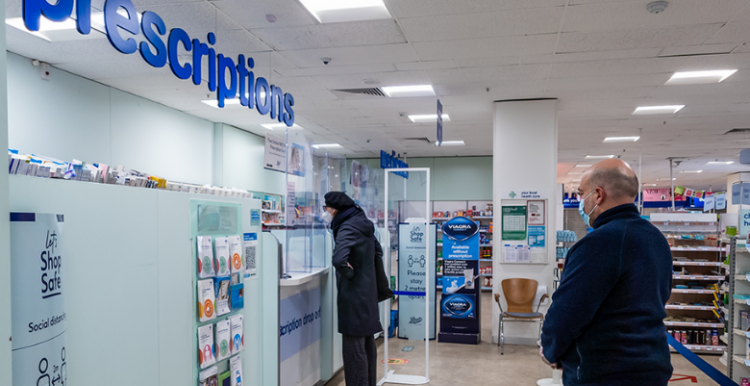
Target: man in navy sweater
x=606 y=322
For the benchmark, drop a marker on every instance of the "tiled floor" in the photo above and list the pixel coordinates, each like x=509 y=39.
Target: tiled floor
x=455 y=364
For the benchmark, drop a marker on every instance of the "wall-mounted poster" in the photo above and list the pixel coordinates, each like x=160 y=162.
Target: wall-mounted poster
x=535 y=212
x=275 y=154
x=514 y=223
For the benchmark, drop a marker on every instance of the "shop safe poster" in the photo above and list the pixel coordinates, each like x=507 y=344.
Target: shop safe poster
x=38 y=299
x=412 y=277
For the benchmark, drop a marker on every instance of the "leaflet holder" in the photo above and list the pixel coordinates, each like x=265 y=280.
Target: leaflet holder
x=407 y=195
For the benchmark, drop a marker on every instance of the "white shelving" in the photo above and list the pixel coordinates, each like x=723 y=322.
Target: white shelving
x=699 y=249
x=692 y=291
x=697 y=277
x=689 y=308
x=696 y=264
x=691 y=324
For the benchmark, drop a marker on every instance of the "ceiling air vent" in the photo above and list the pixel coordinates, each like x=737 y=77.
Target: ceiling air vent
x=738 y=131
x=417 y=139
x=375 y=91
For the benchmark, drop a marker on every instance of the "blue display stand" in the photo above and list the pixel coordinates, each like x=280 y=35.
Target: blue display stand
x=460 y=306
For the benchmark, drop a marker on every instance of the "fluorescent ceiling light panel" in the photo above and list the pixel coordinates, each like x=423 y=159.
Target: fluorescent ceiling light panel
x=690 y=171
x=653 y=110
x=427 y=118
x=227 y=102
x=700 y=77
x=583 y=166
x=451 y=143
x=326 y=145
x=334 y=11
x=665 y=179
x=621 y=139
x=274 y=126
x=571 y=173
x=648 y=184
x=720 y=163
x=576 y=180
x=409 y=91
x=599 y=156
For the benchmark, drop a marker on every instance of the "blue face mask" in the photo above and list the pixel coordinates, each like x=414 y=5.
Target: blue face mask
x=582 y=212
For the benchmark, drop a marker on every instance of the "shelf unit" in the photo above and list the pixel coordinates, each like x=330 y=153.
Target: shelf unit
x=739 y=266
x=697 y=259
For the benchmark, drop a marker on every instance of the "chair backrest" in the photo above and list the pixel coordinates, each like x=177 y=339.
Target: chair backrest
x=520 y=293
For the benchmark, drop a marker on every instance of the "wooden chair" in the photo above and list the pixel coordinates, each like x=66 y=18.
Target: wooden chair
x=519 y=293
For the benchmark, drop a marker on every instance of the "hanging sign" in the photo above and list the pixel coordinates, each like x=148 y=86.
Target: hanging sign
x=708 y=203
x=439 y=123
x=721 y=201
x=391 y=161
x=38 y=299
x=736 y=194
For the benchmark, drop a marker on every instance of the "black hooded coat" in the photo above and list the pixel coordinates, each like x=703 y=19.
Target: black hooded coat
x=356 y=245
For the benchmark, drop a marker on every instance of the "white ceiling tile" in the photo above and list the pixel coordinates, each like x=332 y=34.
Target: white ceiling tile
x=483 y=25
x=287 y=13
x=393 y=78
x=733 y=32
x=590 y=56
x=703 y=49
x=415 y=8
x=624 y=15
x=616 y=67
x=350 y=56
x=486 y=48
x=429 y=65
x=636 y=38
x=337 y=70
x=482 y=74
x=362 y=33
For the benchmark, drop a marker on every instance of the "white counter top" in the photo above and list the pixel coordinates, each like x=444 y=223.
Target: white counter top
x=299 y=278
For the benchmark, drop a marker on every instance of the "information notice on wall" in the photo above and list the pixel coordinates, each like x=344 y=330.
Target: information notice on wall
x=514 y=223
x=38 y=300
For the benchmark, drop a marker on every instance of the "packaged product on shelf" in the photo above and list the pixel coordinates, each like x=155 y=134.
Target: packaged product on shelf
x=237 y=296
x=223 y=334
x=235 y=278
x=235 y=366
x=205 y=257
x=235 y=253
x=222 y=256
x=209 y=377
x=206 y=346
x=206 y=300
x=222 y=296
x=224 y=378
x=238 y=333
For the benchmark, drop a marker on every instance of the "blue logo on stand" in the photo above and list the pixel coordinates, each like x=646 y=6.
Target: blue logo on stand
x=458 y=306
x=460 y=229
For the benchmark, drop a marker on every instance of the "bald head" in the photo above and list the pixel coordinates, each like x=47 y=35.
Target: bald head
x=615 y=177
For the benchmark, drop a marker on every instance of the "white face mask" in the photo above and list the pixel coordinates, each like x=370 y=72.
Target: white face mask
x=327 y=217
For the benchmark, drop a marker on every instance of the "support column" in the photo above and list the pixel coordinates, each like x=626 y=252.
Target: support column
x=6 y=366
x=524 y=158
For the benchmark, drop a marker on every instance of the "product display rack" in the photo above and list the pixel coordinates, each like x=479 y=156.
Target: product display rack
x=738 y=294
x=695 y=306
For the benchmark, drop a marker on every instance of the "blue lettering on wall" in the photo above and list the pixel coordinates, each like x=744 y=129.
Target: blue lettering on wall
x=268 y=98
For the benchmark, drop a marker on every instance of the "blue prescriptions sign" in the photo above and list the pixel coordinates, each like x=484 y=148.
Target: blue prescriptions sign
x=225 y=77
x=390 y=161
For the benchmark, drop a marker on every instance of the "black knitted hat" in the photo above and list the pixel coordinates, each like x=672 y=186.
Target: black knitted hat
x=339 y=201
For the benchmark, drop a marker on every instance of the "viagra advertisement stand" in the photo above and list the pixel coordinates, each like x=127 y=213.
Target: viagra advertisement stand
x=461 y=301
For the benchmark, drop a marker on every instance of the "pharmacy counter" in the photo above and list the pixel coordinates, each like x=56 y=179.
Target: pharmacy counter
x=300 y=278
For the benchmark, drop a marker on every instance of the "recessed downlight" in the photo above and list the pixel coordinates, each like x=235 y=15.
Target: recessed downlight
x=621 y=139
x=600 y=156
x=409 y=91
x=451 y=143
x=427 y=118
x=700 y=77
x=335 y=11
x=653 y=110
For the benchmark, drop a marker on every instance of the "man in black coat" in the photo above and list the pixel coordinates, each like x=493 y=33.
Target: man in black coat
x=605 y=325
x=357 y=257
